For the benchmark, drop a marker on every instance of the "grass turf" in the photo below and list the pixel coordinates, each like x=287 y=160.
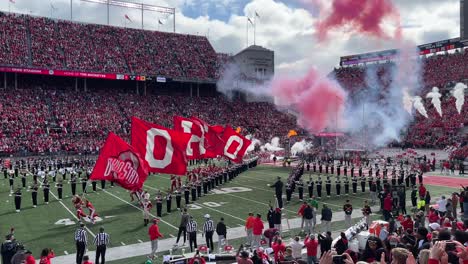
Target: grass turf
x=36 y=228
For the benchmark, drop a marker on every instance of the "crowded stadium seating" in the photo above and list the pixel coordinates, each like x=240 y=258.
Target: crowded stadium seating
x=51 y=121
x=40 y=42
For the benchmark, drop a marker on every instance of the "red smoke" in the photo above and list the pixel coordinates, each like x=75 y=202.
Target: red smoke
x=363 y=16
x=319 y=101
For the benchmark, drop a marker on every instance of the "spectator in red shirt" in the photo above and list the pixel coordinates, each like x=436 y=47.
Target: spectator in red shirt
x=86 y=260
x=46 y=255
x=407 y=223
x=422 y=190
x=388 y=203
x=154 y=234
x=257 y=230
x=278 y=248
x=311 y=244
x=29 y=258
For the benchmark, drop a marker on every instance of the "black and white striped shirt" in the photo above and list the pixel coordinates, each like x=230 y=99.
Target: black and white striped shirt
x=208 y=226
x=81 y=235
x=101 y=239
x=191 y=226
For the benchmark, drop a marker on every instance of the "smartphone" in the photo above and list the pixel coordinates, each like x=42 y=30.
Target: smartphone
x=450 y=246
x=338 y=259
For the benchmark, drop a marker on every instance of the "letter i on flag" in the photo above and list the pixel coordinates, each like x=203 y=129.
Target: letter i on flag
x=120 y=163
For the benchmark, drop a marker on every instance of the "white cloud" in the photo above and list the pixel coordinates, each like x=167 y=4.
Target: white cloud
x=286 y=30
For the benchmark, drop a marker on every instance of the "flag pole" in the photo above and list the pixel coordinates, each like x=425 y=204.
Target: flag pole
x=255 y=28
x=247 y=31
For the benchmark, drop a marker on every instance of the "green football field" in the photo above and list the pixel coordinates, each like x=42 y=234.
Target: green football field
x=44 y=226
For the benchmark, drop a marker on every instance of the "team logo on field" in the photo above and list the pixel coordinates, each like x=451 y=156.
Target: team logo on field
x=124 y=167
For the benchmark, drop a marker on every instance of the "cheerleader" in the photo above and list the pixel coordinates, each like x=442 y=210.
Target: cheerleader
x=146 y=205
x=92 y=211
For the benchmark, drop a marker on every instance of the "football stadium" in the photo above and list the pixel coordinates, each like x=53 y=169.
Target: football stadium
x=307 y=131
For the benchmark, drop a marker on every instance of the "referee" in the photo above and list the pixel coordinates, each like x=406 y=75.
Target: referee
x=101 y=241
x=192 y=233
x=81 y=239
x=208 y=230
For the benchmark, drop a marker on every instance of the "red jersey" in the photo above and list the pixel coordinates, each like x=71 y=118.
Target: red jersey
x=311 y=245
x=153 y=232
x=257 y=227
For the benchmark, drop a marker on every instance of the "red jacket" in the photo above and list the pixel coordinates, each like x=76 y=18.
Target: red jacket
x=30 y=260
x=46 y=260
x=279 y=251
x=433 y=217
x=257 y=227
x=301 y=209
x=387 y=205
x=153 y=232
x=422 y=191
x=311 y=245
x=407 y=224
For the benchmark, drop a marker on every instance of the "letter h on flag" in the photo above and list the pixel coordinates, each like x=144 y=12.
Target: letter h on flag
x=120 y=163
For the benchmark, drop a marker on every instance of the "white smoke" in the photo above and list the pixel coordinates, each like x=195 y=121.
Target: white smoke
x=435 y=99
x=377 y=114
x=255 y=142
x=419 y=106
x=273 y=146
x=459 y=93
x=300 y=147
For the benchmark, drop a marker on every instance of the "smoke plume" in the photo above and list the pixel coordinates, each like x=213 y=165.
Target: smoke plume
x=419 y=106
x=300 y=147
x=459 y=93
x=435 y=99
x=359 y=16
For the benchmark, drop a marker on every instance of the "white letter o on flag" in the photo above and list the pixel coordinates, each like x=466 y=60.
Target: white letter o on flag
x=228 y=144
x=151 y=134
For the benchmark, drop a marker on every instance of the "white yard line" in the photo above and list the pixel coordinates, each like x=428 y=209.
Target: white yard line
x=221 y=212
x=115 y=196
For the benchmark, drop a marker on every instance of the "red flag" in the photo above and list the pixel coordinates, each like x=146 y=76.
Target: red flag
x=213 y=138
x=235 y=145
x=120 y=163
x=128 y=18
x=196 y=146
x=162 y=149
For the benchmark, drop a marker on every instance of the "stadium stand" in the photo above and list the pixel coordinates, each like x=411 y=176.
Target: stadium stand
x=60 y=44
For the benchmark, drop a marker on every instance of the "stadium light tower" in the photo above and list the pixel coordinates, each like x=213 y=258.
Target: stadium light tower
x=139 y=6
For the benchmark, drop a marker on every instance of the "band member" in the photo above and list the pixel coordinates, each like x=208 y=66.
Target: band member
x=193 y=190
x=73 y=184
x=320 y=167
x=338 y=170
x=168 y=201
x=352 y=171
x=332 y=169
x=319 y=187
x=46 y=189
x=103 y=184
x=158 y=200
x=310 y=185
x=360 y=171
x=288 y=192
x=300 y=189
x=178 y=196
x=59 y=186
x=328 y=186
x=12 y=181
x=314 y=167
x=394 y=180
x=199 y=188
x=338 y=186
x=378 y=183
x=363 y=184
x=17 y=200
x=205 y=185
x=187 y=193
x=346 y=186
x=84 y=182
x=345 y=170
x=146 y=205
x=23 y=179
x=34 y=189
x=173 y=182
x=370 y=180
x=326 y=168
x=92 y=211
x=94 y=184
